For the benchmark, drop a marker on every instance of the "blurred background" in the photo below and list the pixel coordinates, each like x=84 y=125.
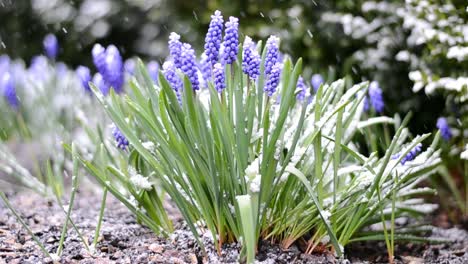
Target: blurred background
x=363 y=40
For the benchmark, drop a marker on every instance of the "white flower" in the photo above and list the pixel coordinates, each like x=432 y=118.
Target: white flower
x=255 y=184
x=464 y=154
x=252 y=170
x=141 y=182
x=148 y=145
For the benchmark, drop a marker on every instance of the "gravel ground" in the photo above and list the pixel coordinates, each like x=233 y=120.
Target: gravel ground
x=123 y=240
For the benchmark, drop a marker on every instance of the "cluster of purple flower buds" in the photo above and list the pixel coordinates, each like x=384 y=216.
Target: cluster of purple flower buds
x=272 y=54
x=411 y=155
x=213 y=37
x=250 y=59
x=120 y=139
x=219 y=78
x=231 y=40
x=273 y=79
x=170 y=73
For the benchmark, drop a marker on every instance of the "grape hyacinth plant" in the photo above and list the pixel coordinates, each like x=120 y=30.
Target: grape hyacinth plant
x=242 y=166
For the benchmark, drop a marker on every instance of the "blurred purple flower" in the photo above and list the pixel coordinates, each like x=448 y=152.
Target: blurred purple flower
x=114 y=69
x=51 y=46
x=316 y=81
x=100 y=83
x=376 y=97
x=444 y=128
x=7 y=86
x=110 y=65
x=99 y=58
x=38 y=68
x=129 y=66
x=84 y=75
x=302 y=89
x=153 y=70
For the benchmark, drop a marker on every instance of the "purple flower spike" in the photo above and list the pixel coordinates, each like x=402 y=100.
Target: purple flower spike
x=272 y=54
x=84 y=75
x=189 y=65
x=170 y=72
x=51 y=46
x=376 y=97
x=153 y=68
x=231 y=40
x=316 y=81
x=273 y=79
x=175 y=49
x=120 y=139
x=250 y=59
x=219 y=77
x=7 y=85
x=302 y=89
x=213 y=37
x=411 y=155
x=444 y=128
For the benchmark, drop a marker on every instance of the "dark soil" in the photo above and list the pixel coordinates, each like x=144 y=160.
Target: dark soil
x=123 y=240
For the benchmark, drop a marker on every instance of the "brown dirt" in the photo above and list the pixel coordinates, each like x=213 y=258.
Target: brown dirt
x=123 y=240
